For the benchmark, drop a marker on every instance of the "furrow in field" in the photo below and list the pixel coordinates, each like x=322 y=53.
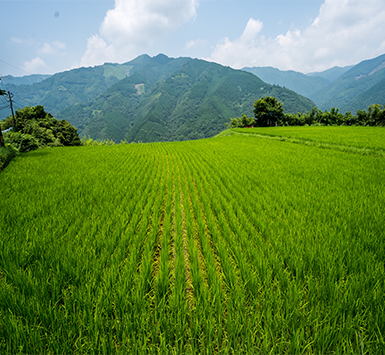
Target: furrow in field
x=212 y=212
x=189 y=286
x=202 y=318
x=151 y=240
x=173 y=235
x=242 y=217
x=194 y=238
x=242 y=237
x=158 y=251
x=210 y=259
x=128 y=247
x=137 y=234
x=177 y=301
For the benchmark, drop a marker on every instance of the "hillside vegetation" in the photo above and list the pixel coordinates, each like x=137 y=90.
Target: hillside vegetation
x=72 y=87
x=153 y=99
x=350 y=88
x=298 y=82
x=194 y=101
x=224 y=245
x=356 y=81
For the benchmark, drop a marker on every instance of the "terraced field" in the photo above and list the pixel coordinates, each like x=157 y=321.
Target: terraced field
x=221 y=245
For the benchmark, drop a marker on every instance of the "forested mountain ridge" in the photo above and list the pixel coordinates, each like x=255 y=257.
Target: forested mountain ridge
x=153 y=98
x=74 y=86
x=331 y=74
x=375 y=94
x=175 y=99
x=24 y=80
x=296 y=81
x=342 y=92
x=348 y=88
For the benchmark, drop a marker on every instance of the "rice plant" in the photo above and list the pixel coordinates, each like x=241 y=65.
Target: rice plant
x=225 y=245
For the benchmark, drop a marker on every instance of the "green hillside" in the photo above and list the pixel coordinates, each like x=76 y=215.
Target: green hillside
x=73 y=87
x=331 y=74
x=374 y=95
x=152 y=99
x=180 y=99
x=23 y=80
x=236 y=244
x=298 y=82
x=355 y=81
x=349 y=88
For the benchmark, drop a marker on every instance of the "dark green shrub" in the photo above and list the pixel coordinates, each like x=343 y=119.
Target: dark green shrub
x=21 y=141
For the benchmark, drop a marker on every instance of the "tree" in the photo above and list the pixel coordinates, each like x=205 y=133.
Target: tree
x=243 y=121
x=34 y=122
x=268 y=111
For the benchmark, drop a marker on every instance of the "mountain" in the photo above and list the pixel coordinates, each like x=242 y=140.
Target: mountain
x=175 y=99
x=153 y=99
x=22 y=80
x=349 y=86
x=331 y=74
x=374 y=95
x=74 y=86
x=298 y=82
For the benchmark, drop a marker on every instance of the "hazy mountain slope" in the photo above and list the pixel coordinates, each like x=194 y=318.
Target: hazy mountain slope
x=374 y=95
x=22 y=80
x=298 y=82
x=175 y=99
x=331 y=74
x=74 y=86
x=355 y=81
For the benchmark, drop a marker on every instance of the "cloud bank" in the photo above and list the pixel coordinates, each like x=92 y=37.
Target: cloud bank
x=344 y=32
x=132 y=27
x=36 y=65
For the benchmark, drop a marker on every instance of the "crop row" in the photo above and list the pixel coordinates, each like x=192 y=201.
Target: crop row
x=224 y=245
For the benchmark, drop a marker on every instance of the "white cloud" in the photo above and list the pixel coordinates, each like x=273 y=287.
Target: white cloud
x=55 y=48
x=251 y=31
x=98 y=52
x=248 y=49
x=345 y=32
x=133 y=26
x=36 y=66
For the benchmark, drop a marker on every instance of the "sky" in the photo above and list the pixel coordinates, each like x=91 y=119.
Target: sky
x=50 y=36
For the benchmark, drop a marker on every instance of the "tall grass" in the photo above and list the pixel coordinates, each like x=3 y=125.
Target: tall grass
x=218 y=246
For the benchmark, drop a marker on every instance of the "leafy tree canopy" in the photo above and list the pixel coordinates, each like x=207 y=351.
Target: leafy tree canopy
x=268 y=111
x=374 y=116
x=33 y=128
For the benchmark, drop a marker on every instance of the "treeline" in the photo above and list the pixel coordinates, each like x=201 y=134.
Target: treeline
x=33 y=128
x=374 y=116
x=268 y=111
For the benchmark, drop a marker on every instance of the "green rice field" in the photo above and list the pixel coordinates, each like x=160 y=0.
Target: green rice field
x=234 y=244
x=369 y=138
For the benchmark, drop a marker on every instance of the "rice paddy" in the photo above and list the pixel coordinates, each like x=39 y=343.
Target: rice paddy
x=225 y=245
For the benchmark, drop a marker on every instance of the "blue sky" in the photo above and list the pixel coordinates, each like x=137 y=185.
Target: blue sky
x=305 y=35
